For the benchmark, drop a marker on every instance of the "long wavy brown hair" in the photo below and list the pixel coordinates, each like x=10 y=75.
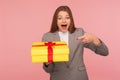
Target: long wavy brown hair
x=54 y=26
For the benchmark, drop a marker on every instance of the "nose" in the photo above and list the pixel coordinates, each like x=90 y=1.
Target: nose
x=63 y=20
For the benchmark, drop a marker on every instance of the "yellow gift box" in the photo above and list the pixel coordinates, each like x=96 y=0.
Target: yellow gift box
x=49 y=52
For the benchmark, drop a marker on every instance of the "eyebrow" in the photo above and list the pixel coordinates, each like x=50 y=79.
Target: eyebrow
x=61 y=15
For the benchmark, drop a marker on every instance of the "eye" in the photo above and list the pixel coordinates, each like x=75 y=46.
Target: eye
x=59 y=18
x=68 y=17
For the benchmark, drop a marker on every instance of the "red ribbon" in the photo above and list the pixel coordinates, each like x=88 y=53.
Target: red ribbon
x=50 y=49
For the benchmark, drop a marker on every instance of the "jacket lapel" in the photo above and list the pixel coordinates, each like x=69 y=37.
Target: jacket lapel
x=73 y=44
x=56 y=36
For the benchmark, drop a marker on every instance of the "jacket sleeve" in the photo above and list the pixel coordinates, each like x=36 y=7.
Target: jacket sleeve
x=48 y=68
x=101 y=49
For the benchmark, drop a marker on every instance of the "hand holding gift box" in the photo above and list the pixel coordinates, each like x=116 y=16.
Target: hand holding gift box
x=49 y=52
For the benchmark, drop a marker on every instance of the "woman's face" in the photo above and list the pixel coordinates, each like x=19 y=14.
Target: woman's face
x=63 y=21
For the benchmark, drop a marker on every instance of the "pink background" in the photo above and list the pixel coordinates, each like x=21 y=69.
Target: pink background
x=25 y=21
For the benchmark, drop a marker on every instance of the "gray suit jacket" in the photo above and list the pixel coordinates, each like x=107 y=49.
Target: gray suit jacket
x=75 y=68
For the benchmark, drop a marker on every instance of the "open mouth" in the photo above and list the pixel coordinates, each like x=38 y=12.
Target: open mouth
x=64 y=25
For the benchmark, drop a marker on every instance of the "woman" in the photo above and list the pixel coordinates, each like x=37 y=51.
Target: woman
x=63 y=29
